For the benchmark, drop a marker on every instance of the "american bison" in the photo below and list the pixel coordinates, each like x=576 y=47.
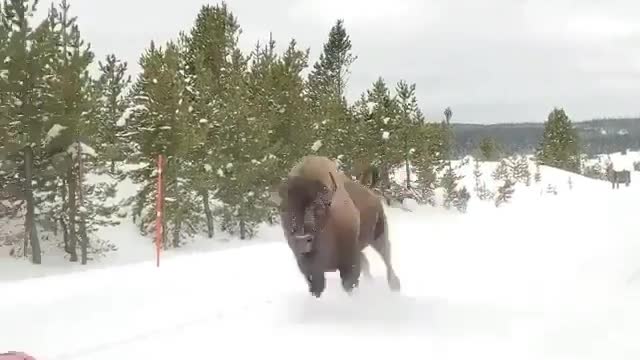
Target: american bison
x=328 y=220
x=617 y=177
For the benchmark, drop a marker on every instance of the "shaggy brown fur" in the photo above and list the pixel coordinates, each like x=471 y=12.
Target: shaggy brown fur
x=328 y=219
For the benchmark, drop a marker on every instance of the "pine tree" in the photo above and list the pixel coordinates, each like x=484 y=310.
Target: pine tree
x=275 y=86
x=381 y=133
x=9 y=195
x=449 y=183
x=209 y=45
x=110 y=111
x=5 y=135
x=244 y=189
x=275 y=83
x=429 y=159
x=520 y=170
x=559 y=145
x=480 y=186
x=410 y=118
x=489 y=149
x=329 y=77
x=477 y=175
x=326 y=94
x=505 y=192
x=72 y=204
x=537 y=177
x=28 y=52
x=502 y=171
x=461 y=199
x=208 y=51
x=166 y=127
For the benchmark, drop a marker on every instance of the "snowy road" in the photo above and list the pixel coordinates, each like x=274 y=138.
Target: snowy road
x=546 y=278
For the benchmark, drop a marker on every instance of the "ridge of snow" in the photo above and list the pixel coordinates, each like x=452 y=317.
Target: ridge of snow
x=54 y=132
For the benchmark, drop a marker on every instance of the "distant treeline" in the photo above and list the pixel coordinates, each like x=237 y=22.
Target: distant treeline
x=597 y=136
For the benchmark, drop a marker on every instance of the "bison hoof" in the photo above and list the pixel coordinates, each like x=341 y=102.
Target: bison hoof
x=349 y=283
x=317 y=285
x=394 y=283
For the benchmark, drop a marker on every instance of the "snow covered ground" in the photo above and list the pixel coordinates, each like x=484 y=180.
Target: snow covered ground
x=544 y=277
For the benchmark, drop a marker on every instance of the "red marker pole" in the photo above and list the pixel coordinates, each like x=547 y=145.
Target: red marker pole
x=159 y=229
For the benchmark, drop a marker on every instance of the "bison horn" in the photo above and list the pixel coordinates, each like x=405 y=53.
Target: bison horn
x=304 y=243
x=303 y=237
x=333 y=182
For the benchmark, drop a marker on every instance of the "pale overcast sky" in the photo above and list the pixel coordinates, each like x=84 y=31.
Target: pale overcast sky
x=490 y=61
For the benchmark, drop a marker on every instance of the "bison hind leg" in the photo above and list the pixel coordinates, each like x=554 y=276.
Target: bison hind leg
x=364 y=266
x=394 y=281
x=383 y=248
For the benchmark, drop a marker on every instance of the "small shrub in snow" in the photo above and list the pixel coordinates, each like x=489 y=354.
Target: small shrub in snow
x=453 y=196
x=461 y=199
x=502 y=171
x=636 y=166
x=484 y=193
x=505 y=192
x=398 y=193
x=521 y=171
x=594 y=171
x=477 y=173
x=426 y=184
x=537 y=177
x=480 y=188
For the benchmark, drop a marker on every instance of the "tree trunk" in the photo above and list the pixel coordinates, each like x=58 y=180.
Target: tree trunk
x=243 y=229
x=84 y=244
x=73 y=212
x=65 y=236
x=408 y=170
x=176 y=232
x=63 y=224
x=384 y=182
x=207 y=212
x=31 y=232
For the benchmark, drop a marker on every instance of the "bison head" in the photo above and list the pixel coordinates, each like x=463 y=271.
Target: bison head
x=304 y=206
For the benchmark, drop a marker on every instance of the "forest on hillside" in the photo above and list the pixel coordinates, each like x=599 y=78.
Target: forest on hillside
x=598 y=136
x=228 y=124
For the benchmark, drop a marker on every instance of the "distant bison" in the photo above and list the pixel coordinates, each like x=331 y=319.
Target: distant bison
x=617 y=177
x=328 y=220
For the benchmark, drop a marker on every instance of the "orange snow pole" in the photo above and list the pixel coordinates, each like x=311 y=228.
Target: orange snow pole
x=159 y=198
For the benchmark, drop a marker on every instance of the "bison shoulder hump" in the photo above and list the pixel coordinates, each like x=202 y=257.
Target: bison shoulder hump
x=312 y=167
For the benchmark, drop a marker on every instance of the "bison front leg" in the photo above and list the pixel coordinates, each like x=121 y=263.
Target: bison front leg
x=315 y=278
x=317 y=283
x=350 y=276
x=350 y=267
